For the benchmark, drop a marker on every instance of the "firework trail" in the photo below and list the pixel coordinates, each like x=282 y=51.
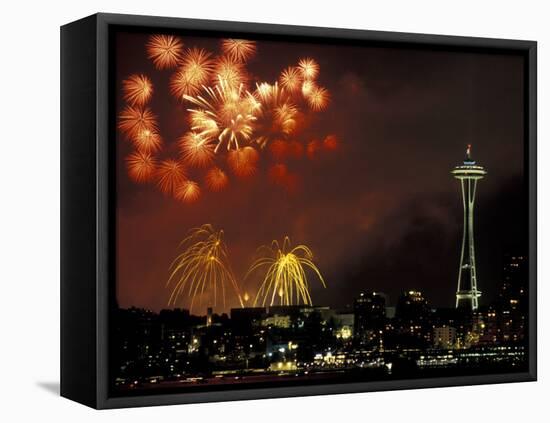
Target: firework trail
x=285 y=281
x=202 y=268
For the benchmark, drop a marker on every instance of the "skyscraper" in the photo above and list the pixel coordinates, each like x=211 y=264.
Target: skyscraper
x=468 y=173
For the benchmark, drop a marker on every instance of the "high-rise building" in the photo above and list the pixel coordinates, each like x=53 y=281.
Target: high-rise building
x=512 y=300
x=413 y=318
x=468 y=173
x=369 y=311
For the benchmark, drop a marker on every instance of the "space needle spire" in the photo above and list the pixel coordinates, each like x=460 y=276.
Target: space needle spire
x=468 y=173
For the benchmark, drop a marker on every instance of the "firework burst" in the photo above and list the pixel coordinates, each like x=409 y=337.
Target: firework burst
x=291 y=79
x=309 y=68
x=137 y=89
x=318 y=98
x=224 y=114
x=141 y=166
x=202 y=268
x=147 y=141
x=188 y=192
x=216 y=179
x=238 y=50
x=243 y=162
x=231 y=73
x=197 y=66
x=279 y=149
x=331 y=143
x=276 y=116
x=164 y=50
x=171 y=175
x=196 y=150
x=133 y=120
x=285 y=281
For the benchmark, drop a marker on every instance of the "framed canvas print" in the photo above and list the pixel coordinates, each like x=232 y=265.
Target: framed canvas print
x=257 y=211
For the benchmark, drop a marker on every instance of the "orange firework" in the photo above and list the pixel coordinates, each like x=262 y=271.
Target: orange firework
x=243 y=162
x=164 y=50
x=239 y=50
x=137 y=89
x=291 y=79
x=133 y=120
x=229 y=72
x=331 y=143
x=225 y=114
x=276 y=115
x=171 y=175
x=216 y=179
x=279 y=149
x=147 y=141
x=196 y=150
x=278 y=173
x=309 y=68
x=141 y=166
x=318 y=98
x=295 y=149
x=313 y=148
x=188 y=192
x=197 y=65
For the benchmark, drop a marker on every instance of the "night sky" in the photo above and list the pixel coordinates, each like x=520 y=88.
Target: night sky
x=382 y=212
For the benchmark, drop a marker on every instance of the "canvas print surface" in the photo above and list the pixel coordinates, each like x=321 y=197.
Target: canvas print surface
x=291 y=212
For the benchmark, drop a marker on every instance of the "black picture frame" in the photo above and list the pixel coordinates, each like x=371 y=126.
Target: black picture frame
x=87 y=197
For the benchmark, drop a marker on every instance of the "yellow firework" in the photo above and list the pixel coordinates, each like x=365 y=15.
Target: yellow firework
x=164 y=50
x=230 y=72
x=147 y=141
x=225 y=114
x=171 y=175
x=238 y=50
x=137 y=89
x=285 y=281
x=276 y=116
x=196 y=150
x=203 y=269
x=307 y=88
x=195 y=71
x=134 y=120
x=318 y=98
x=141 y=166
x=309 y=68
x=188 y=192
x=291 y=79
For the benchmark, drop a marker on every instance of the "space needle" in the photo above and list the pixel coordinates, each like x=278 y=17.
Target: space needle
x=468 y=173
